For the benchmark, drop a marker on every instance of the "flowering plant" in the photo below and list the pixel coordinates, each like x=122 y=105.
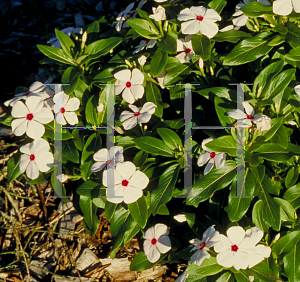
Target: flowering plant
x=151 y=60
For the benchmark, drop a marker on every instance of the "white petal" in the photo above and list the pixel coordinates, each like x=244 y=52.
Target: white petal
x=248 y=108
x=128 y=96
x=24 y=161
x=209 y=166
x=255 y=233
x=27 y=149
x=153 y=254
x=296 y=5
x=72 y=105
x=151 y=43
x=137 y=77
x=236 y=234
x=37 y=87
x=190 y=27
x=209 y=232
x=60 y=99
x=181 y=57
x=225 y=258
x=164 y=244
x=144 y=118
x=149 y=234
x=208 y=28
x=19 y=126
x=45 y=115
x=62 y=178
x=40 y=146
x=119 y=88
x=199 y=256
x=137 y=91
x=34 y=129
x=130 y=123
x=115 y=195
x=34 y=104
x=237 y=114
x=204 y=142
x=240 y=21
x=180 y=218
x=148 y=107
x=101 y=155
x=131 y=194
x=203 y=158
x=71 y=118
x=180 y=47
x=212 y=15
x=98 y=166
x=160 y=230
x=241 y=260
x=126 y=169
x=147 y=245
x=199 y=11
x=226 y=28
x=134 y=108
x=32 y=170
x=44 y=161
x=123 y=75
x=59 y=118
x=263 y=250
x=126 y=114
x=186 y=14
x=19 y=110
x=282 y=7
x=220 y=160
x=139 y=180
x=223 y=244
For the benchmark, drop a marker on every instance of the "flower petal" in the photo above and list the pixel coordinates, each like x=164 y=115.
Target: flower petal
x=190 y=27
x=212 y=15
x=45 y=115
x=98 y=166
x=101 y=155
x=19 y=126
x=225 y=258
x=32 y=170
x=199 y=11
x=236 y=234
x=240 y=21
x=137 y=91
x=181 y=57
x=72 y=105
x=123 y=75
x=296 y=5
x=153 y=254
x=149 y=234
x=59 y=118
x=40 y=146
x=203 y=158
x=199 y=256
x=27 y=149
x=282 y=7
x=204 y=142
x=255 y=233
x=137 y=77
x=139 y=180
x=128 y=96
x=209 y=166
x=132 y=194
x=144 y=118
x=34 y=129
x=237 y=114
x=115 y=195
x=163 y=244
x=19 y=110
x=241 y=260
x=220 y=160
x=130 y=123
x=223 y=244
x=186 y=14
x=248 y=108
x=119 y=88
x=24 y=161
x=71 y=118
x=160 y=230
x=126 y=169
x=44 y=161
x=208 y=28
x=34 y=104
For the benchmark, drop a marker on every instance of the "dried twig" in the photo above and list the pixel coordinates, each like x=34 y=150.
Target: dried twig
x=9 y=197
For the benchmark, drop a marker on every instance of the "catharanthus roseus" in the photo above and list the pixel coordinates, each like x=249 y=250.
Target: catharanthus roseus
x=159 y=13
x=36 y=157
x=213 y=158
x=149 y=43
x=285 y=7
x=156 y=242
x=185 y=45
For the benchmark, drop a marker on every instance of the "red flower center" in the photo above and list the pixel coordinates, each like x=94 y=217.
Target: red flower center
x=200 y=18
x=62 y=110
x=234 y=248
x=188 y=50
x=32 y=157
x=212 y=155
x=153 y=241
x=202 y=246
x=124 y=182
x=136 y=114
x=250 y=117
x=147 y=41
x=26 y=94
x=109 y=162
x=29 y=116
x=128 y=84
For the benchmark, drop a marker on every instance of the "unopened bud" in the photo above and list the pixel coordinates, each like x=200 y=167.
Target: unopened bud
x=201 y=64
x=128 y=63
x=142 y=60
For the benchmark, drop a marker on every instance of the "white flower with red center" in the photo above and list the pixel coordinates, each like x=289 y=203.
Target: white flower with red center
x=149 y=43
x=36 y=157
x=156 y=242
x=199 y=19
x=128 y=184
x=104 y=157
x=161 y=78
x=236 y=250
x=65 y=108
x=122 y=16
x=159 y=13
x=139 y=115
x=68 y=31
x=36 y=89
x=129 y=84
x=185 y=45
x=264 y=123
x=210 y=237
x=213 y=158
x=285 y=7
x=245 y=119
x=30 y=117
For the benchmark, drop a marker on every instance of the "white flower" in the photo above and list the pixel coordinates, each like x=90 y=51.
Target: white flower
x=36 y=157
x=145 y=43
x=62 y=177
x=68 y=31
x=264 y=123
x=139 y=115
x=199 y=19
x=142 y=60
x=100 y=108
x=210 y=237
x=35 y=89
x=235 y=250
x=213 y=158
x=160 y=1
x=251 y=278
x=201 y=64
x=122 y=16
x=180 y=217
x=285 y=7
x=30 y=117
x=128 y=184
x=182 y=277
x=245 y=119
x=65 y=108
x=131 y=83
x=159 y=13
x=227 y=28
x=297 y=89
x=156 y=242
x=185 y=45
x=104 y=157
x=161 y=78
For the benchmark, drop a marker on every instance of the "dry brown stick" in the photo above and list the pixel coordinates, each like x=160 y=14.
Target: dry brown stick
x=9 y=197
x=3 y=161
x=43 y=201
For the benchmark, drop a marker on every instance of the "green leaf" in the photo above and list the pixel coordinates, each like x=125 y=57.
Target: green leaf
x=110 y=209
x=140 y=263
x=293 y=196
x=118 y=220
x=215 y=180
x=92 y=32
x=139 y=211
x=202 y=46
x=287 y=207
x=291 y=177
x=226 y=277
x=248 y=50
x=153 y=94
x=70 y=76
x=86 y=188
x=262 y=271
x=222 y=92
x=13 y=171
x=89 y=210
x=163 y=210
x=153 y=146
x=170 y=138
x=176 y=74
x=292 y=263
x=257 y=216
x=144 y=28
x=286 y=243
x=91 y=111
x=223 y=144
x=222 y=112
x=256 y=9
x=158 y=62
x=105 y=76
x=293 y=35
x=168 y=44
x=163 y=193
x=207 y=268
x=66 y=42
x=217 y=5
x=232 y=36
x=268 y=134
x=56 y=54
x=70 y=152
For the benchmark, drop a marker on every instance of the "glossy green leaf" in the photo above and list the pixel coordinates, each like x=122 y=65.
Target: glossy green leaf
x=256 y=9
x=168 y=44
x=140 y=262
x=158 y=62
x=231 y=36
x=170 y=138
x=139 y=211
x=286 y=243
x=56 y=54
x=202 y=46
x=224 y=144
x=144 y=28
x=70 y=152
x=153 y=95
x=293 y=196
x=217 y=5
x=13 y=171
x=208 y=267
x=66 y=42
x=262 y=271
x=153 y=146
x=257 y=216
x=292 y=263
